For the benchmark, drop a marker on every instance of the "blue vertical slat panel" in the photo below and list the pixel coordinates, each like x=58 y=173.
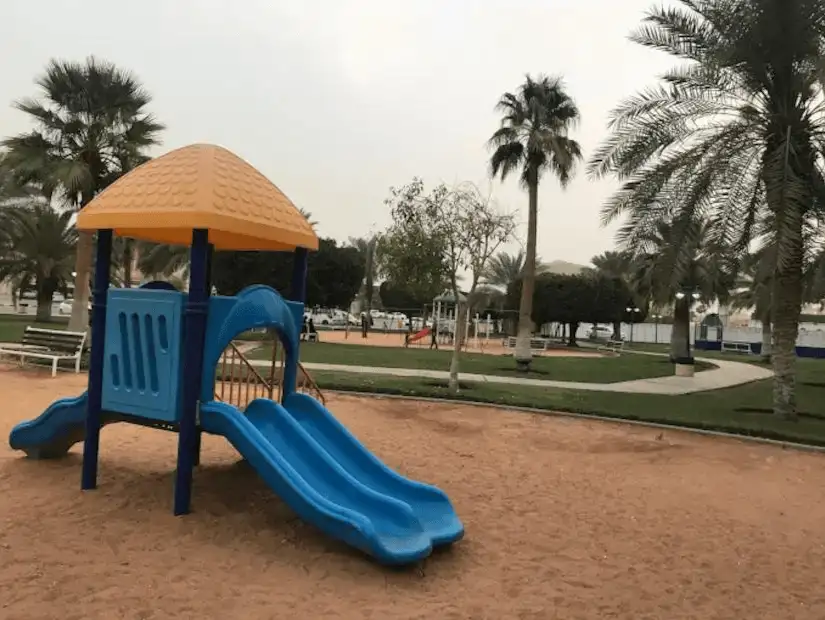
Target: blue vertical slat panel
x=142 y=355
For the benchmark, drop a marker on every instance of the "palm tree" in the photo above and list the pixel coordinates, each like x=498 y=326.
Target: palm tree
x=92 y=127
x=37 y=248
x=736 y=131
x=676 y=265
x=369 y=248
x=754 y=289
x=533 y=139
x=613 y=264
x=504 y=269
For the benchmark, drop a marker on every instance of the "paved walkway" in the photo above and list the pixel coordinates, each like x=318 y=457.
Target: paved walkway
x=727 y=374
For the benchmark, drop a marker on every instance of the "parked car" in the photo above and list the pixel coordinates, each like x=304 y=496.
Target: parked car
x=65 y=307
x=599 y=332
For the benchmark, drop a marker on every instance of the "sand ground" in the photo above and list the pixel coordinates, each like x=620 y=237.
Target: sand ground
x=565 y=519
x=494 y=346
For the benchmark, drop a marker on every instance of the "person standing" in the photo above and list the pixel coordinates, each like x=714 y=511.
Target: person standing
x=434 y=335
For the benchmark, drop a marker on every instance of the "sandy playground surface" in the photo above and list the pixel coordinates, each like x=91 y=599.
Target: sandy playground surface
x=565 y=519
x=494 y=346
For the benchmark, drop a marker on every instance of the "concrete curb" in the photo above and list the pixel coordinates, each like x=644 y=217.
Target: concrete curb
x=785 y=445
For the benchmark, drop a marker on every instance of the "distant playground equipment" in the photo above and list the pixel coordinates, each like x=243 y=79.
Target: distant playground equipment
x=156 y=350
x=445 y=318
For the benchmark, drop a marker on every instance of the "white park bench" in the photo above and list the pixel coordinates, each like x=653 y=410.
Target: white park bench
x=737 y=346
x=48 y=344
x=613 y=346
x=536 y=344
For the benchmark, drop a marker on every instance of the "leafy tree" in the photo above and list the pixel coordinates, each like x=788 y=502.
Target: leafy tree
x=334 y=273
x=92 y=127
x=533 y=139
x=619 y=266
x=468 y=227
x=400 y=298
x=37 y=245
x=574 y=299
x=735 y=133
x=412 y=253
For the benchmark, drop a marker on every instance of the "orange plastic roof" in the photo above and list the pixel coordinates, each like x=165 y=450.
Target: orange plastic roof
x=200 y=186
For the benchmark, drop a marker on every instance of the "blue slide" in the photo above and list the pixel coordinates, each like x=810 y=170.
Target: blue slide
x=53 y=432
x=315 y=486
x=430 y=505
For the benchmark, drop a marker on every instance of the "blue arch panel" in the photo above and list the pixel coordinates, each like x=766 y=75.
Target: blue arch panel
x=142 y=353
x=254 y=307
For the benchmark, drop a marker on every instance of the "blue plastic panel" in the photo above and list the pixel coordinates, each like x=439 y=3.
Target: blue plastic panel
x=255 y=306
x=142 y=353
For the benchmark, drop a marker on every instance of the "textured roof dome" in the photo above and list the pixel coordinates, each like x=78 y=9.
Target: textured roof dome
x=200 y=186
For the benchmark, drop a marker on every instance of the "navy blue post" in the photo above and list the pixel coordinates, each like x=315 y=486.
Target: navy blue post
x=194 y=330
x=298 y=290
x=94 y=413
x=208 y=287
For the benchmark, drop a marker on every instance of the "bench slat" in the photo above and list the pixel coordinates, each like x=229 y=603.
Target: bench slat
x=46 y=344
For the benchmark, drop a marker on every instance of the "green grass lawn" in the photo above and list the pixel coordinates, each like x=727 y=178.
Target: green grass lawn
x=743 y=410
x=583 y=369
x=12 y=325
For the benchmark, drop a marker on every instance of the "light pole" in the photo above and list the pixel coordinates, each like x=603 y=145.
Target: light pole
x=631 y=310
x=656 y=318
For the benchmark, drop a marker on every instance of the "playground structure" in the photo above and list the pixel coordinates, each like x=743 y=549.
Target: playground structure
x=156 y=352
x=444 y=319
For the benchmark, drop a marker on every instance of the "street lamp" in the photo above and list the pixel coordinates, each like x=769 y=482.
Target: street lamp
x=687 y=296
x=656 y=318
x=694 y=294
x=630 y=310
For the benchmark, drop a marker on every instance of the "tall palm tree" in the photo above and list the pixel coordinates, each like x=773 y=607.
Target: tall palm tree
x=533 y=139
x=369 y=248
x=92 y=127
x=505 y=268
x=37 y=248
x=736 y=130
x=676 y=266
x=754 y=288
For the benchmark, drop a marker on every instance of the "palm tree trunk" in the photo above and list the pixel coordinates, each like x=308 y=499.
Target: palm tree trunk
x=79 y=320
x=680 y=336
x=45 y=297
x=369 y=271
x=787 y=300
x=528 y=279
x=767 y=337
x=128 y=260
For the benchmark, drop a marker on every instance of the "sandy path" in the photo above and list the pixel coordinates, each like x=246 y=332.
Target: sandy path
x=494 y=346
x=565 y=519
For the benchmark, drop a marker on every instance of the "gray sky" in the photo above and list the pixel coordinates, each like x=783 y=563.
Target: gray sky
x=337 y=100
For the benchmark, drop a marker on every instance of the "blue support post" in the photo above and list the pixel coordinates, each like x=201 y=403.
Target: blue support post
x=208 y=287
x=298 y=290
x=194 y=330
x=94 y=413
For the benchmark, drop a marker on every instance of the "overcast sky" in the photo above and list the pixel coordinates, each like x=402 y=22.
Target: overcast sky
x=336 y=100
